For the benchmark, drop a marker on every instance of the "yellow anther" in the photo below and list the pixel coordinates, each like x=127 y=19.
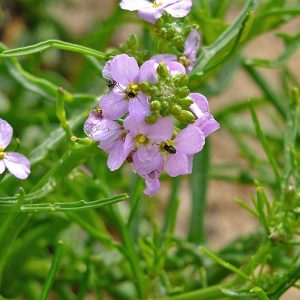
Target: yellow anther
x=2 y=154
x=157 y=4
x=141 y=139
x=184 y=60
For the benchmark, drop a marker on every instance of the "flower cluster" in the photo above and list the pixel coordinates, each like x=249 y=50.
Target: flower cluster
x=16 y=163
x=137 y=120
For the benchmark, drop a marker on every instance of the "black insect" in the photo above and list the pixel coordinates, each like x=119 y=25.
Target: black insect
x=170 y=149
x=111 y=84
x=131 y=94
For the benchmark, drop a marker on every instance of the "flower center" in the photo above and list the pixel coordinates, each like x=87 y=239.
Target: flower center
x=184 y=60
x=132 y=90
x=141 y=139
x=168 y=147
x=2 y=154
x=157 y=4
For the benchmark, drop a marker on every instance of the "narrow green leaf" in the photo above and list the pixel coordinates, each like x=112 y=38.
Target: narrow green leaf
x=265 y=145
x=40 y=47
x=53 y=270
x=223 y=263
x=260 y=293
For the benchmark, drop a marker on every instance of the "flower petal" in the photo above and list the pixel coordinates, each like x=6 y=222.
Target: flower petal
x=151 y=14
x=114 y=105
x=148 y=72
x=135 y=5
x=152 y=187
x=17 y=164
x=192 y=45
x=189 y=140
x=207 y=124
x=178 y=8
x=176 y=68
x=200 y=105
x=164 y=58
x=136 y=127
x=124 y=69
x=116 y=156
x=162 y=130
x=139 y=107
x=6 y=133
x=177 y=164
x=148 y=159
x=2 y=166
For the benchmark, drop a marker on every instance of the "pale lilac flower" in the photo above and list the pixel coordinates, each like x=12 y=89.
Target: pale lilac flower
x=147 y=140
x=191 y=48
x=16 y=163
x=151 y=11
x=126 y=96
x=200 y=108
x=112 y=138
x=188 y=142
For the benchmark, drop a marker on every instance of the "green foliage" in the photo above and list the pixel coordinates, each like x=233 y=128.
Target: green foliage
x=122 y=250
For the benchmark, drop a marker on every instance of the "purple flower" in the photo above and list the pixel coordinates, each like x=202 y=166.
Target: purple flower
x=112 y=138
x=179 y=157
x=200 y=108
x=126 y=96
x=147 y=140
x=17 y=164
x=152 y=182
x=173 y=66
x=191 y=48
x=151 y=11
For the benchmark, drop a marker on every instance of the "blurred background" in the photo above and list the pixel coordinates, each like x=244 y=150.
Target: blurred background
x=25 y=22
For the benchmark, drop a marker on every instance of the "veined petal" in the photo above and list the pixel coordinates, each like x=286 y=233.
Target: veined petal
x=17 y=164
x=178 y=8
x=136 y=127
x=2 y=166
x=189 y=140
x=116 y=155
x=152 y=187
x=124 y=69
x=135 y=5
x=151 y=14
x=148 y=72
x=139 y=107
x=207 y=124
x=162 y=130
x=176 y=68
x=177 y=164
x=192 y=45
x=114 y=105
x=6 y=133
x=200 y=105
x=147 y=159
x=164 y=58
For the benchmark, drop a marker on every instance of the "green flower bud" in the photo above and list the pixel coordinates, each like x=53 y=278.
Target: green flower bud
x=181 y=80
x=186 y=103
x=186 y=117
x=165 y=112
x=176 y=110
x=183 y=92
x=165 y=104
x=155 y=105
x=162 y=71
x=145 y=87
x=133 y=41
x=152 y=118
x=160 y=23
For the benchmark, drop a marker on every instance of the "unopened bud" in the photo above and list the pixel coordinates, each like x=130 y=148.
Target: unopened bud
x=152 y=118
x=176 y=110
x=186 y=117
x=155 y=105
x=145 y=87
x=183 y=92
x=186 y=103
x=181 y=80
x=162 y=71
